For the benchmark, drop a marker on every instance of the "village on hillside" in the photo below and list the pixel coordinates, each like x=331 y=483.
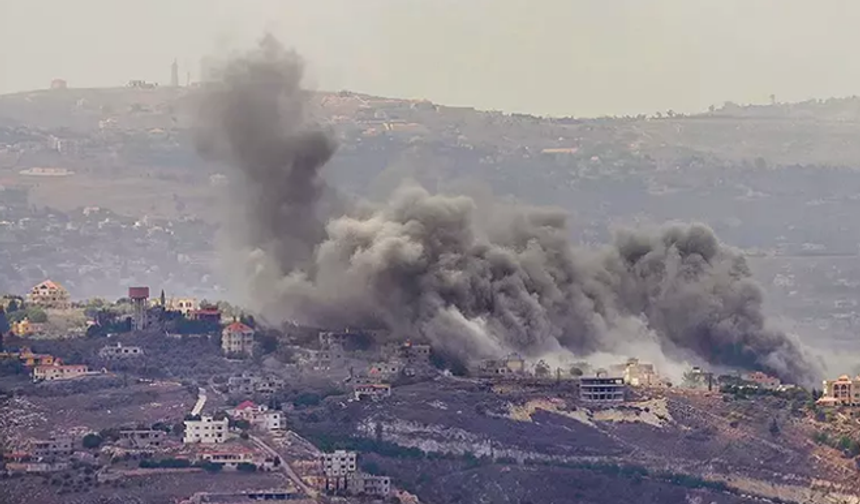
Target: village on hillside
x=150 y=386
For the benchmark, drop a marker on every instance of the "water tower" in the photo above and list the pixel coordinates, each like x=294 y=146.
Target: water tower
x=139 y=298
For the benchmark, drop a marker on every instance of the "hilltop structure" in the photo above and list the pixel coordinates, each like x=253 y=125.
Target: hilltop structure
x=237 y=339
x=843 y=391
x=49 y=294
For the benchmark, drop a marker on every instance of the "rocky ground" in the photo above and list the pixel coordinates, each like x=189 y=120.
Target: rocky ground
x=667 y=444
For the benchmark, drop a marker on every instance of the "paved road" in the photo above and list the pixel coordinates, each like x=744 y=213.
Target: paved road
x=285 y=467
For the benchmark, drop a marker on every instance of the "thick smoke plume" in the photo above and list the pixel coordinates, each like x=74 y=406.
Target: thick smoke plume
x=477 y=280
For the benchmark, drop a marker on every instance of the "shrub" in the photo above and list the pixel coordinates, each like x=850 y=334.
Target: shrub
x=92 y=441
x=170 y=463
x=246 y=467
x=211 y=467
x=307 y=399
x=774 y=427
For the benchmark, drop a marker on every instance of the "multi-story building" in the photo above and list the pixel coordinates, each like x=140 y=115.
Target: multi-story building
x=341 y=474
x=205 y=430
x=332 y=348
x=415 y=355
x=53 y=448
x=637 y=374
x=237 y=338
x=58 y=371
x=366 y=484
x=602 y=388
x=248 y=384
x=260 y=416
x=49 y=294
x=339 y=463
x=119 y=351
x=842 y=391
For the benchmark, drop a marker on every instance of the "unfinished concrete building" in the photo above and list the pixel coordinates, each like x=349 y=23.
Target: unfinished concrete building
x=602 y=388
x=636 y=373
x=248 y=384
x=360 y=483
x=332 y=349
x=142 y=439
x=341 y=475
x=336 y=468
x=372 y=391
x=511 y=366
x=53 y=448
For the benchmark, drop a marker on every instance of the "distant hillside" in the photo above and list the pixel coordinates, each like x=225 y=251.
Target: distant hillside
x=777 y=180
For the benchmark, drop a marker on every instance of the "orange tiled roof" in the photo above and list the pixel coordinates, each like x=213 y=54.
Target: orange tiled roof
x=238 y=327
x=50 y=284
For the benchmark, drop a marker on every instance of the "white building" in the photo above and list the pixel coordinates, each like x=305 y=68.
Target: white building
x=119 y=351
x=260 y=416
x=205 y=430
x=237 y=338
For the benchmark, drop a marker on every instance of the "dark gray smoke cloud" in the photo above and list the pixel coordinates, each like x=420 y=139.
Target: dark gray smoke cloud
x=477 y=280
x=254 y=116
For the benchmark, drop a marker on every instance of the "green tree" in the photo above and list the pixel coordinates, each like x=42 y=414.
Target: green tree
x=240 y=424
x=92 y=441
x=13 y=306
x=4 y=325
x=246 y=467
x=267 y=343
x=37 y=315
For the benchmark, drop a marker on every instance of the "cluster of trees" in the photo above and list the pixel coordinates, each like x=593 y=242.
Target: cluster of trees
x=179 y=463
x=846 y=444
x=17 y=310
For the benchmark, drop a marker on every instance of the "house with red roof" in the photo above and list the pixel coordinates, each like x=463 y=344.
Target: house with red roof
x=237 y=339
x=49 y=294
x=259 y=416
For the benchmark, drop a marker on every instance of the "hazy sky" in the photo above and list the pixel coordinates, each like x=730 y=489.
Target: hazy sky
x=560 y=57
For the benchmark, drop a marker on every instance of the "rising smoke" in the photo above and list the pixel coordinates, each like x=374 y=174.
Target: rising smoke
x=476 y=280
